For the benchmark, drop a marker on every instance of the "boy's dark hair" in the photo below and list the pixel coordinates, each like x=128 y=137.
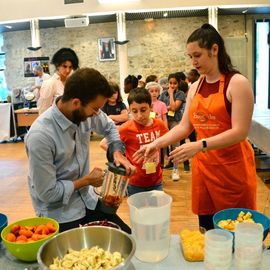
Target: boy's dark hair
x=207 y=36
x=86 y=84
x=151 y=78
x=116 y=89
x=183 y=86
x=63 y=55
x=139 y=95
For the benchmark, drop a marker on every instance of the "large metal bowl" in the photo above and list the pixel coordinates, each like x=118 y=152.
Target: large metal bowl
x=108 y=238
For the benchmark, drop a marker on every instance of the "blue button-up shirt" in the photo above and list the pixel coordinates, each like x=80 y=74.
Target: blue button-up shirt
x=58 y=152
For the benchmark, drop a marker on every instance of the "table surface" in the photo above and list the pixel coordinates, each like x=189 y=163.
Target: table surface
x=174 y=261
x=27 y=110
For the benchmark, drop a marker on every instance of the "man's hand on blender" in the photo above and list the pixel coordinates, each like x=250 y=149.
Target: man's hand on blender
x=120 y=159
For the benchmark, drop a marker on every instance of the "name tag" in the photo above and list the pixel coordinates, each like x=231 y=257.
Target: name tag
x=152 y=115
x=171 y=113
x=150 y=167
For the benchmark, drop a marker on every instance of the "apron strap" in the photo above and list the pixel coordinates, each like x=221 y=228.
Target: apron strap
x=221 y=83
x=200 y=84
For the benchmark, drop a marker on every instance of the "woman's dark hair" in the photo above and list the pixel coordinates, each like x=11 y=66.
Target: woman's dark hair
x=116 y=89
x=131 y=82
x=139 y=95
x=86 y=84
x=63 y=55
x=207 y=36
x=183 y=86
x=181 y=75
x=175 y=76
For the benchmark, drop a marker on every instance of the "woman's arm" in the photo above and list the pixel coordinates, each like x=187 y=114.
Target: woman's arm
x=240 y=94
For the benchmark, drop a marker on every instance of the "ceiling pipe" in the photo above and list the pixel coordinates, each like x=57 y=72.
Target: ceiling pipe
x=34 y=27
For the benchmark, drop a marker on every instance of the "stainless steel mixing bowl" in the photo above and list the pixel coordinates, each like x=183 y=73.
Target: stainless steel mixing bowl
x=108 y=238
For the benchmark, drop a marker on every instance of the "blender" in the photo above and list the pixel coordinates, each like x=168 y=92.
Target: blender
x=113 y=188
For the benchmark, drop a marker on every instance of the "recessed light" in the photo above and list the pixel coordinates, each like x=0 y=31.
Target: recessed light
x=165 y=14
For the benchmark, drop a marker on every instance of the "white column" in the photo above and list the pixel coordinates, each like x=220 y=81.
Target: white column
x=213 y=16
x=122 y=51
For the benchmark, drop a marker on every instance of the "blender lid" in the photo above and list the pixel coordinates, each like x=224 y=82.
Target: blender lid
x=117 y=170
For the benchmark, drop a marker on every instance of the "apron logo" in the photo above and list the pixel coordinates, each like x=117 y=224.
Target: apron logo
x=203 y=117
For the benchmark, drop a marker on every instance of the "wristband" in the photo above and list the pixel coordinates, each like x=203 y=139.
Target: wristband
x=204 y=145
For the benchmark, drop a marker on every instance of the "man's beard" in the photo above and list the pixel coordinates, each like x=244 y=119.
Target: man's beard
x=78 y=117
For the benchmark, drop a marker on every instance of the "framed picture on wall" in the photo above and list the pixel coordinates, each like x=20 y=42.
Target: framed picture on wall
x=106 y=49
x=31 y=62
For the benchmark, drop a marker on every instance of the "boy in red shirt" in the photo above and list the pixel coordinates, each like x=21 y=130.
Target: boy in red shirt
x=137 y=132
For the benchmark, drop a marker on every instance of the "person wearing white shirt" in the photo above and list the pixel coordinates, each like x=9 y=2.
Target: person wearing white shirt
x=65 y=61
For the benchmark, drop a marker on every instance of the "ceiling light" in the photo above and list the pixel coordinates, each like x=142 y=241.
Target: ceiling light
x=165 y=14
x=8 y=26
x=103 y=2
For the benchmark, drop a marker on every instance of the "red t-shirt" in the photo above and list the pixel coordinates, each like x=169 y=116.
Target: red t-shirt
x=134 y=136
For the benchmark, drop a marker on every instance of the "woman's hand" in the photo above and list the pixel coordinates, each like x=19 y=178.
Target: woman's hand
x=185 y=151
x=146 y=153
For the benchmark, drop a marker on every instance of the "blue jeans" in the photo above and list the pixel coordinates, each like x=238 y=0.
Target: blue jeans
x=135 y=189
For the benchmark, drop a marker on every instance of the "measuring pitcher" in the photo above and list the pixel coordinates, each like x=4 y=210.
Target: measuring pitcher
x=150 y=223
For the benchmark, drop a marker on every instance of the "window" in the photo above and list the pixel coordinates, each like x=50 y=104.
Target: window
x=262 y=61
x=3 y=85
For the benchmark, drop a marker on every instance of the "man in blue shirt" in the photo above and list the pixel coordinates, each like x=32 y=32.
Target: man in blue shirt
x=57 y=146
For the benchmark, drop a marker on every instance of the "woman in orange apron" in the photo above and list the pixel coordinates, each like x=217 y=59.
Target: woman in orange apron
x=219 y=107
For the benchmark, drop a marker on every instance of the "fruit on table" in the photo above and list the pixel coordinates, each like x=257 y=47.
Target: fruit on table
x=27 y=234
x=192 y=245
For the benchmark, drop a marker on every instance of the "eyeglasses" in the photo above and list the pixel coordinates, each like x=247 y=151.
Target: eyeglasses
x=95 y=112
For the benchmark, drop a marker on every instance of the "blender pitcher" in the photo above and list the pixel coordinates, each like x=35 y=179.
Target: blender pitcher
x=113 y=188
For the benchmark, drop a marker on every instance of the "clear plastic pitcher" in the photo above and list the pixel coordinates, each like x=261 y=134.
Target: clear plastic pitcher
x=150 y=223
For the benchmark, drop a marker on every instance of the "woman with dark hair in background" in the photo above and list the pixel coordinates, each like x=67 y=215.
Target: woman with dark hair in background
x=131 y=82
x=219 y=107
x=115 y=107
x=65 y=60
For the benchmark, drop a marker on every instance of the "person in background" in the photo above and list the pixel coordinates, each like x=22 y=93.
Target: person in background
x=57 y=146
x=141 y=84
x=164 y=84
x=40 y=78
x=131 y=82
x=181 y=75
x=115 y=107
x=193 y=76
x=151 y=78
x=159 y=110
x=65 y=60
x=173 y=98
x=139 y=131
x=219 y=107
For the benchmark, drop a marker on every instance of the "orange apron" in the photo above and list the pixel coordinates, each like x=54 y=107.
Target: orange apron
x=223 y=178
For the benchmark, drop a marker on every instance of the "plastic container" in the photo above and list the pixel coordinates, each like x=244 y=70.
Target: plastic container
x=150 y=223
x=218 y=249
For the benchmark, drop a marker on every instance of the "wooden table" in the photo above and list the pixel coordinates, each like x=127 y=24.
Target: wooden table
x=25 y=116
